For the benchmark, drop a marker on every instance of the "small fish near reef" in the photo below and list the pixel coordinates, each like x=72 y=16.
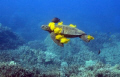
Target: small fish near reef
x=99 y=51
x=60 y=33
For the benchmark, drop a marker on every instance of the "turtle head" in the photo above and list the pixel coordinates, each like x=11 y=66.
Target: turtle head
x=45 y=27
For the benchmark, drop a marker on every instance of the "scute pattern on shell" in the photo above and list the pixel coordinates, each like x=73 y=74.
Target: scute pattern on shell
x=67 y=30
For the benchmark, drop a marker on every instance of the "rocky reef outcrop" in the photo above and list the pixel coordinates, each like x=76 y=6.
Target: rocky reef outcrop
x=9 y=39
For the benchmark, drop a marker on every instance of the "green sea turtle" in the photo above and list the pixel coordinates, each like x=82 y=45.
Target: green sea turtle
x=68 y=32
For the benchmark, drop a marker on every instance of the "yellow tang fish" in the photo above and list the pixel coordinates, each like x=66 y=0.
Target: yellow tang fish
x=90 y=37
x=60 y=23
x=58 y=37
x=51 y=25
x=64 y=40
x=57 y=30
x=72 y=25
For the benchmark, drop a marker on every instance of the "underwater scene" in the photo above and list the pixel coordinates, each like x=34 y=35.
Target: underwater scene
x=59 y=38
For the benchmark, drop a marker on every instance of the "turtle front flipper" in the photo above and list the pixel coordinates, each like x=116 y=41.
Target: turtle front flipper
x=52 y=34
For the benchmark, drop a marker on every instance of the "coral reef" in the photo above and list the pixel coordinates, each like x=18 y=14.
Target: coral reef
x=10 y=69
x=72 y=52
x=37 y=44
x=76 y=59
x=14 y=70
x=8 y=39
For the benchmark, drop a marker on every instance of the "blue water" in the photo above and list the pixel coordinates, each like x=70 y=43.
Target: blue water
x=88 y=15
x=99 y=18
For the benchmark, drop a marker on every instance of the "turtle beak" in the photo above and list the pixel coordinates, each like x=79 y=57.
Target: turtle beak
x=44 y=27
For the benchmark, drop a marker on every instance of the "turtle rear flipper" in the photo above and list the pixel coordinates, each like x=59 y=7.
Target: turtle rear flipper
x=52 y=34
x=84 y=37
